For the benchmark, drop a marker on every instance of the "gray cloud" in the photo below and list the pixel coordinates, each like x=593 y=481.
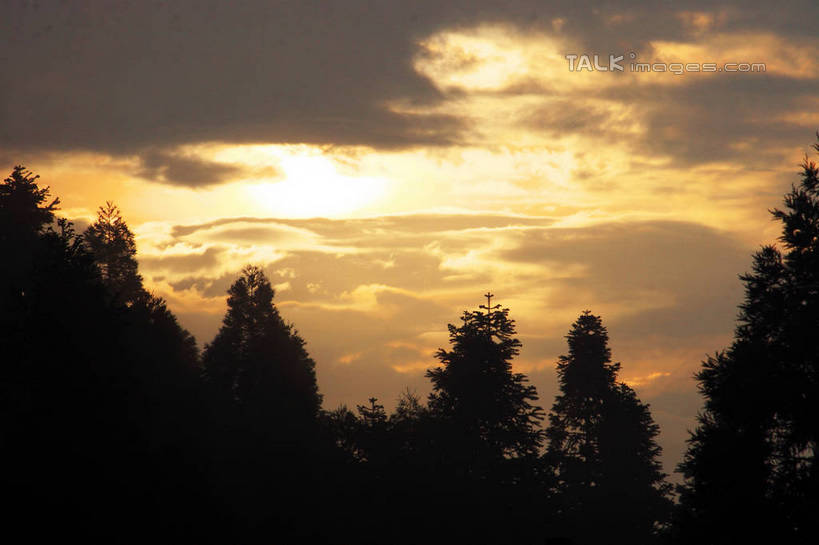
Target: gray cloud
x=128 y=76
x=693 y=265
x=183 y=263
x=192 y=172
x=709 y=120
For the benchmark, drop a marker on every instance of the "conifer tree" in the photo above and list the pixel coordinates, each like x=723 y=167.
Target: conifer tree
x=25 y=214
x=484 y=429
x=91 y=422
x=263 y=383
x=602 y=446
x=155 y=331
x=258 y=361
x=753 y=453
x=476 y=390
x=112 y=243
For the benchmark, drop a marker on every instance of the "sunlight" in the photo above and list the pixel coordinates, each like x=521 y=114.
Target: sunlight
x=470 y=61
x=311 y=186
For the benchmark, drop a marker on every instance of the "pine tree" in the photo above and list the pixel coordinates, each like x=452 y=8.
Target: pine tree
x=477 y=392
x=25 y=214
x=263 y=383
x=258 y=361
x=753 y=453
x=112 y=243
x=602 y=446
x=93 y=415
x=155 y=331
x=23 y=207
x=484 y=430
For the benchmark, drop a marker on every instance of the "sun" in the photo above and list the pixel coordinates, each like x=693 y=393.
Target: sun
x=310 y=185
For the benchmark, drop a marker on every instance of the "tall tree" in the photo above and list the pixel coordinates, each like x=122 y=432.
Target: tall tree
x=89 y=421
x=25 y=214
x=264 y=384
x=753 y=453
x=112 y=243
x=156 y=333
x=24 y=206
x=259 y=361
x=602 y=446
x=486 y=431
x=476 y=390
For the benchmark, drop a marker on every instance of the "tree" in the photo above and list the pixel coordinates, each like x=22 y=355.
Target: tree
x=155 y=332
x=484 y=428
x=94 y=415
x=25 y=214
x=753 y=453
x=112 y=243
x=258 y=361
x=23 y=205
x=602 y=446
x=264 y=386
x=475 y=390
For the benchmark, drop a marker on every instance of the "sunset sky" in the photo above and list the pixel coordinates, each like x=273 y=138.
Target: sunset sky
x=387 y=163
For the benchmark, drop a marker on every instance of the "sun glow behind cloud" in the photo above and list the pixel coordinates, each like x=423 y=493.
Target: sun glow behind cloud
x=311 y=186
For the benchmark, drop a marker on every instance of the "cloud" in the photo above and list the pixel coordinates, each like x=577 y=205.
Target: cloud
x=184 y=171
x=678 y=279
x=186 y=262
x=755 y=121
x=127 y=77
x=131 y=75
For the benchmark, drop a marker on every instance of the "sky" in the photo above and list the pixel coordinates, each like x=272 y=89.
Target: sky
x=387 y=163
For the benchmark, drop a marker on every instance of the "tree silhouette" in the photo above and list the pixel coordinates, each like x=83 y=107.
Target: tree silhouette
x=25 y=214
x=22 y=204
x=152 y=326
x=266 y=398
x=753 y=453
x=477 y=392
x=602 y=446
x=258 y=360
x=485 y=429
x=112 y=243
x=94 y=412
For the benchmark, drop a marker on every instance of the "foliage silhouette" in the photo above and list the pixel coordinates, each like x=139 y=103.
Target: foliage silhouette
x=266 y=402
x=108 y=408
x=486 y=430
x=753 y=453
x=112 y=244
x=96 y=414
x=476 y=391
x=258 y=360
x=602 y=447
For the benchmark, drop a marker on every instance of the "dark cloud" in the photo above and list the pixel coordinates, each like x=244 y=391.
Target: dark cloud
x=128 y=76
x=183 y=263
x=185 y=171
x=726 y=117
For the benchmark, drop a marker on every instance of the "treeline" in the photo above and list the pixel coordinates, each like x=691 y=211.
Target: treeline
x=114 y=427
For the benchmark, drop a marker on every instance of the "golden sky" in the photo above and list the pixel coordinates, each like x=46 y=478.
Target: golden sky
x=388 y=164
